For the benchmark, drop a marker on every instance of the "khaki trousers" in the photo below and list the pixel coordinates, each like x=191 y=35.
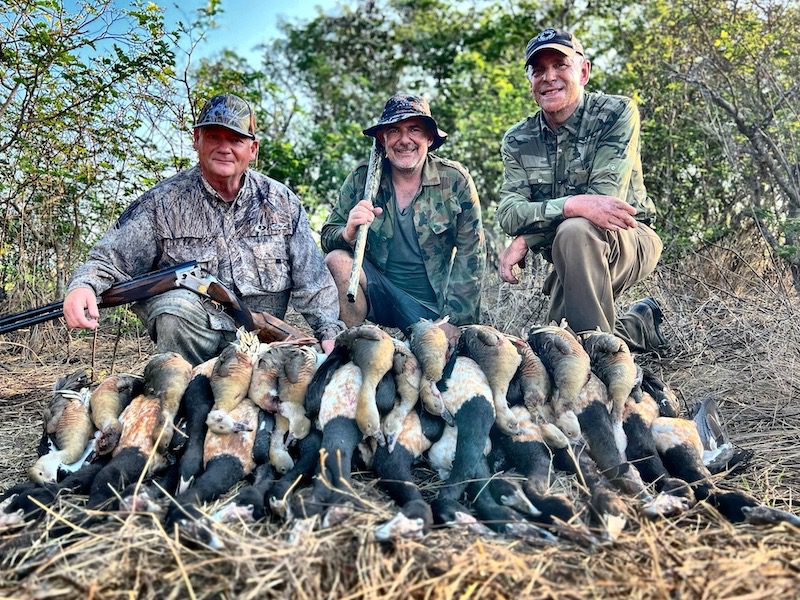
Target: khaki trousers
x=591 y=267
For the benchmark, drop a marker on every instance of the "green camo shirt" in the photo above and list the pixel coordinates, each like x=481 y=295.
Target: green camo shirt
x=596 y=151
x=447 y=218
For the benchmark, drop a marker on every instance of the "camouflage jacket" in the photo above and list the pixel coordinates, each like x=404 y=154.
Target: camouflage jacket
x=596 y=151
x=447 y=218
x=259 y=245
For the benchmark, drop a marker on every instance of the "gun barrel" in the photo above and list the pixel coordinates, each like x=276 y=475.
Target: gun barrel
x=40 y=316
x=32 y=313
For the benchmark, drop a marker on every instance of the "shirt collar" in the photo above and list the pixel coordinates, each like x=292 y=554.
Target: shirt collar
x=571 y=124
x=214 y=193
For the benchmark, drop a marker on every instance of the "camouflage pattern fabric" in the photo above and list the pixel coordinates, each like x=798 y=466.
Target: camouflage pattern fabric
x=596 y=151
x=259 y=245
x=447 y=218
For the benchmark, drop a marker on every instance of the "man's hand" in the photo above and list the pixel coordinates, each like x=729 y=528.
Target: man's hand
x=606 y=212
x=79 y=304
x=327 y=346
x=514 y=254
x=361 y=213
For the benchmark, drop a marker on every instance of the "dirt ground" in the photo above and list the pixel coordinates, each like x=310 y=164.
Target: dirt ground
x=732 y=319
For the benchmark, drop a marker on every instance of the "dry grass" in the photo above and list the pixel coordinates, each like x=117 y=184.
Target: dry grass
x=736 y=333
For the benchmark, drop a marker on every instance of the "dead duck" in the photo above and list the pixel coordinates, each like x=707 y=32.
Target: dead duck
x=528 y=453
x=67 y=429
x=143 y=421
x=613 y=363
x=681 y=450
x=335 y=406
x=196 y=404
x=393 y=467
x=641 y=448
x=498 y=517
x=565 y=360
x=499 y=359
x=532 y=377
x=168 y=390
x=372 y=350
x=430 y=345
x=230 y=378
x=280 y=495
x=227 y=459
x=407 y=376
x=107 y=403
x=466 y=395
x=279 y=384
x=22 y=504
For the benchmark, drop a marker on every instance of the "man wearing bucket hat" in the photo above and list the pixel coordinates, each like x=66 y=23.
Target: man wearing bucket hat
x=573 y=191
x=425 y=252
x=246 y=229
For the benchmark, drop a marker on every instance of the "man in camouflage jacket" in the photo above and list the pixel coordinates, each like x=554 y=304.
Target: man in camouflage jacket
x=425 y=252
x=248 y=230
x=573 y=190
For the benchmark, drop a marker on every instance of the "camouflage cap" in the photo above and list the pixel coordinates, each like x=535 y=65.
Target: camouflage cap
x=555 y=39
x=407 y=106
x=230 y=111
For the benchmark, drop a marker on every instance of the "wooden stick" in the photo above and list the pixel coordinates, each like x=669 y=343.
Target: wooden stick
x=370 y=192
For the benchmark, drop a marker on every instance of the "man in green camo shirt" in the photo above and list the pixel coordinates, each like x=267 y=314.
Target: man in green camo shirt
x=573 y=190
x=425 y=252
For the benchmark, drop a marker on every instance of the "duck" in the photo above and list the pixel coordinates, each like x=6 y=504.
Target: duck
x=661 y=392
x=335 y=407
x=612 y=361
x=144 y=427
x=198 y=399
x=565 y=360
x=499 y=359
x=227 y=459
x=279 y=496
x=641 y=448
x=372 y=350
x=430 y=345
x=167 y=390
x=528 y=453
x=407 y=377
x=392 y=466
x=531 y=377
x=107 y=403
x=23 y=503
x=230 y=378
x=68 y=430
x=681 y=449
x=279 y=384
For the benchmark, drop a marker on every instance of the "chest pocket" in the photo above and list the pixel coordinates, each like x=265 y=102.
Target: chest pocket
x=185 y=249
x=541 y=184
x=271 y=257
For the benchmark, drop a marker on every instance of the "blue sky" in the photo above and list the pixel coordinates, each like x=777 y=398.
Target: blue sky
x=246 y=23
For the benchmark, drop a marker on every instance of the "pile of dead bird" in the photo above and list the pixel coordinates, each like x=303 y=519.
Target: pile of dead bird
x=279 y=430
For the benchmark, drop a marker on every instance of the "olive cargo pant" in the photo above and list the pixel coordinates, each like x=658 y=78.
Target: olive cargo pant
x=591 y=267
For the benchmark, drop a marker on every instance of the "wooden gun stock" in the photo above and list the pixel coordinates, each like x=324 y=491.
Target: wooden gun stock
x=370 y=192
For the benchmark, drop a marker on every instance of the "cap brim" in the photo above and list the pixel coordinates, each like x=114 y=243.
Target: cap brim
x=565 y=50
x=246 y=134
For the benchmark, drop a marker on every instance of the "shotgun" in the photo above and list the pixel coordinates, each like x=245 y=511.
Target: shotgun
x=187 y=276
x=370 y=192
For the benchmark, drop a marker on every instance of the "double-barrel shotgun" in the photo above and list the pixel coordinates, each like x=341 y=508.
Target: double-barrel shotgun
x=187 y=276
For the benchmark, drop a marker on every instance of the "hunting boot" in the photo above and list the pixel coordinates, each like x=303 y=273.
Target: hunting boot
x=640 y=327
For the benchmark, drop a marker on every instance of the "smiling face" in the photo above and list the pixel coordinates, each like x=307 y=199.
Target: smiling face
x=223 y=154
x=406 y=143
x=557 y=83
